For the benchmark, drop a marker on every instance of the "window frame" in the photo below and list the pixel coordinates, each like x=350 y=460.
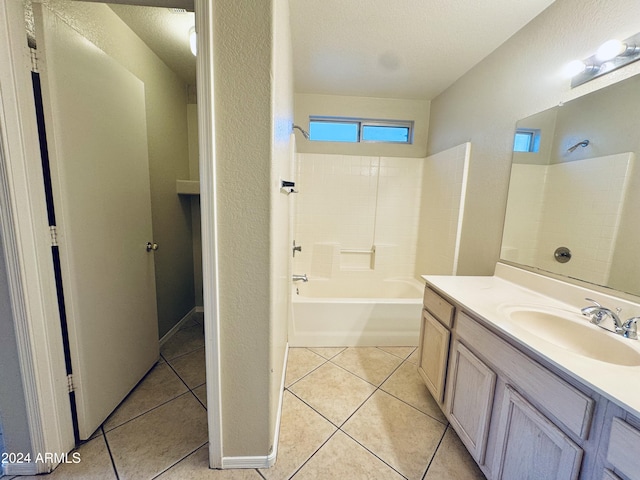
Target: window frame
x=534 y=136
x=366 y=122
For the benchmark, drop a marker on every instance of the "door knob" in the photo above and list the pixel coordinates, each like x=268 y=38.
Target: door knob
x=151 y=246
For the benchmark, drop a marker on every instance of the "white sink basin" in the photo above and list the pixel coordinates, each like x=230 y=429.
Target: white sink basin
x=573 y=332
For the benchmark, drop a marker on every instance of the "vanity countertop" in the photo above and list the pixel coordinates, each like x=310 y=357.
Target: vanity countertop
x=490 y=298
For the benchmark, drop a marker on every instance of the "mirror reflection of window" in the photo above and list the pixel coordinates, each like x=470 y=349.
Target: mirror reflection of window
x=526 y=140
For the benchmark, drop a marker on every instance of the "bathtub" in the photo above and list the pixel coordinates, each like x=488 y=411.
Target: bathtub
x=345 y=313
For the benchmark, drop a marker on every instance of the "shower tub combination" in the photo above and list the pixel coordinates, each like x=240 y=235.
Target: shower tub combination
x=346 y=313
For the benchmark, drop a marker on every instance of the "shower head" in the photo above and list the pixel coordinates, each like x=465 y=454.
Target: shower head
x=582 y=144
x=304 y=132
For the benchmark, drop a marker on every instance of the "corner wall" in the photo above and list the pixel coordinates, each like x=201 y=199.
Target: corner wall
x=253 y=125
x=484 y=105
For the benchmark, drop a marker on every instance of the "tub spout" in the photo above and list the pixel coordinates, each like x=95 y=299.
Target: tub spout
x=303 y=277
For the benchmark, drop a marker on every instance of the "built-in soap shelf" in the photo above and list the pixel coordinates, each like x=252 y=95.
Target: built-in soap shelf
x=188 y=187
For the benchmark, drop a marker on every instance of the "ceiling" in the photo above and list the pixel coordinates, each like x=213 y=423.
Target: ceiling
x=166 y=33
x=397 y=48
x=409 y=49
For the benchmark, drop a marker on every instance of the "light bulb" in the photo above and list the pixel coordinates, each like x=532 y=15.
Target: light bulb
x=609 y=50
x=574 y=68
x=193 y=41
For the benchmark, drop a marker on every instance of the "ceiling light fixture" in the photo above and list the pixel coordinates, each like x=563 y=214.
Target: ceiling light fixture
x=610 y=56
x=193 y=40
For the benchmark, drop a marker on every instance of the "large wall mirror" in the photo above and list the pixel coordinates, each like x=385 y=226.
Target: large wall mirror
x=574 y=194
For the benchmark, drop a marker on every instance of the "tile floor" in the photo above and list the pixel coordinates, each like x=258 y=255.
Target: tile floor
x=357 y=413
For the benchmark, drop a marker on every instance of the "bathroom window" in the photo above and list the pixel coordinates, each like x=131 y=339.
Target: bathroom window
x=359 y=130
x=526 y=140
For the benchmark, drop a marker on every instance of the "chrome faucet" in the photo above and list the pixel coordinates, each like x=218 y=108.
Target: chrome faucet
x=628 y=329
x=297 y=278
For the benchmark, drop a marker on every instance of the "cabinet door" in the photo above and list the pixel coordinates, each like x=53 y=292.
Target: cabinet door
x=434 y=349
x=470 y=386
x=530 y=447
x=622 y=452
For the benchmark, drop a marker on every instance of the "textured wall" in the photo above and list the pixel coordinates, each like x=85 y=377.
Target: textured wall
x=281 y=205
x=166 y=104
x=242 y=39
x=519 y=79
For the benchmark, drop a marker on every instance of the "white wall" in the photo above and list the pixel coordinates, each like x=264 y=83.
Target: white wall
x=282 y=161
x=444 y=186
x=363 y=107
x=253 y=105
x=13 y=413
x=517 y=80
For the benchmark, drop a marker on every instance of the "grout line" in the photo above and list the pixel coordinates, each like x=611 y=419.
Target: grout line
x=182 y=459
x=309 y=372
x=313 y=454
x=375 y=455
x=260 y=473
x=113 y=462
x=435 y=452
x=182 y=354
x=143 y=413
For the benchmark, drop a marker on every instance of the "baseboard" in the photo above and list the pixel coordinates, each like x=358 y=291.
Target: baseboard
x=167 y=336
x=265 y=461
x=29 y=468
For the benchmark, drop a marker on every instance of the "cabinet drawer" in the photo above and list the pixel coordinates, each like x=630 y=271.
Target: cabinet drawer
x=569 y=406
x=438 y=306
x=622 y=453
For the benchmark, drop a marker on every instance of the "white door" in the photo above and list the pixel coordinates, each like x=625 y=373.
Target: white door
x=96 y=128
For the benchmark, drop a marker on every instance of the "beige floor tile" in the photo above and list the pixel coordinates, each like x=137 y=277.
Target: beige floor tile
x=151 y=443
x=342 y=458
x=185 y=340
x=327 y=352
x=333 y=392
x=201 y=393
x=453 y=461
x=302 y=432
x=196 y=467
x=301 y=361
x=159 y=386
x=94 y=464
x=191 y=368
x=369 y=363
x=413 y=358
x=399 y=434
x=407 y=384
x=402 y=352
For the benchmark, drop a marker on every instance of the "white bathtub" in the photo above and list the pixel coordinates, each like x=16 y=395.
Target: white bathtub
x=330 y=313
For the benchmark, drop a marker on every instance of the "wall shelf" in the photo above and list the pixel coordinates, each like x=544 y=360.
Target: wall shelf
x=188 y=187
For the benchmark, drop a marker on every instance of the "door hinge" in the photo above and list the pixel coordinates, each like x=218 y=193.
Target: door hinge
x=71 y=387
x=34 y=60
x=53 y=231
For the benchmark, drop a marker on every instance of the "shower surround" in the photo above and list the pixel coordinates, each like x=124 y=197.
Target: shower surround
x=357 y=219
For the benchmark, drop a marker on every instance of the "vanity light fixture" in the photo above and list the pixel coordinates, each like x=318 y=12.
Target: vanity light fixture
x=610 y=56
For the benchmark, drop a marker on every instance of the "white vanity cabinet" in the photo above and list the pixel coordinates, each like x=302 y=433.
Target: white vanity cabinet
x=470 y=399
x=623 y=451
x=530 y=446
x=435 y=336
x=518 y=419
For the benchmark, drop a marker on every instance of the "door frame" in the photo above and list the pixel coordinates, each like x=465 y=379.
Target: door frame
x=27 y=243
